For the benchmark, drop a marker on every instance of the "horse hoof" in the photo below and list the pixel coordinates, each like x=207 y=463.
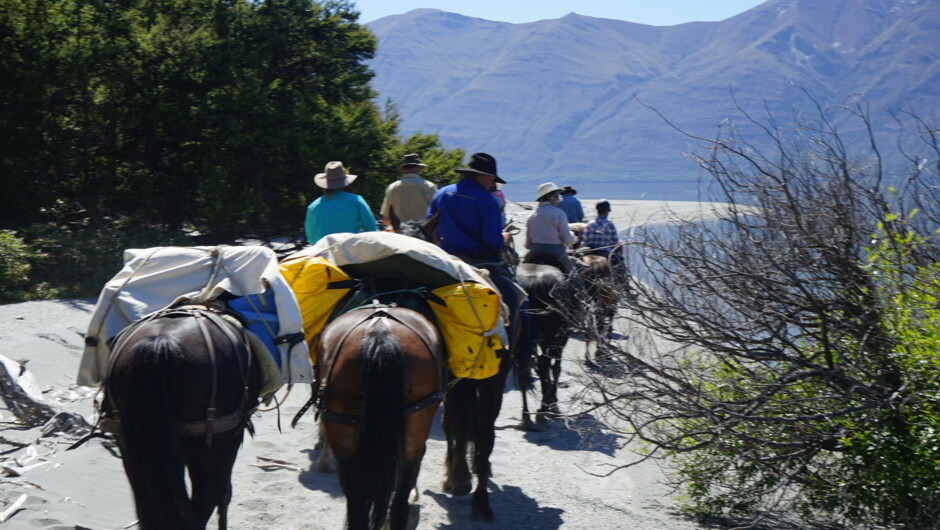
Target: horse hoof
x=458 y=489
x=534 y=426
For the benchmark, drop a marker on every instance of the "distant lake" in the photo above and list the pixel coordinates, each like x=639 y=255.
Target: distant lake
x=652 y=191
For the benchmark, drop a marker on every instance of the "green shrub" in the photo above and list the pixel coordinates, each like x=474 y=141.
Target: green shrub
x=14 y=267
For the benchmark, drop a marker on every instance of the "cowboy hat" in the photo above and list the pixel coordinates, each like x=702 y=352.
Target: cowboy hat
x=334 y=177
x=411 y=160
x=481 y=163
x=545 y=189
x=568 y=190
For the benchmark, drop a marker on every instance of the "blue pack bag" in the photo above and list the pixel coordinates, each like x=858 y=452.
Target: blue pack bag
x=260 y=314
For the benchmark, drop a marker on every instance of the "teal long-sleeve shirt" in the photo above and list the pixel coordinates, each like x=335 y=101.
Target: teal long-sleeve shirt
x=340 y=211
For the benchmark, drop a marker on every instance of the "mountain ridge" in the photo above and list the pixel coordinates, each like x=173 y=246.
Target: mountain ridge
x=570 y=97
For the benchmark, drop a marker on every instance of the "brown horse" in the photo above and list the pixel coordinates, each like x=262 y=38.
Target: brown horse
x=381 y=380
x=597 y=279
x=179 y=391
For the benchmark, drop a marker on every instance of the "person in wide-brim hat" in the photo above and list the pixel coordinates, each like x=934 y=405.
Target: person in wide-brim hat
x=334 y=176
x=547 y=235
x=336 y=210
x=481 y=163
x=545 y=189
x=411 y=160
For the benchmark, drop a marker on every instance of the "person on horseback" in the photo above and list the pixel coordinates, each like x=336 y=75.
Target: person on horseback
x=469 y=226
x=337 y=210
x=407 y=199
x=571 y=205
x=600 y=237
x=547 y=234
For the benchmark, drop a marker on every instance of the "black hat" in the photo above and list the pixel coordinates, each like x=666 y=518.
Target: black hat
x=411 y=160
x=602 y=206
x=481 y=163
x=568 y=190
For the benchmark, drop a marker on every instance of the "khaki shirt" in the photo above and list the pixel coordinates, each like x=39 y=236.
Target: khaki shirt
x=408 y=197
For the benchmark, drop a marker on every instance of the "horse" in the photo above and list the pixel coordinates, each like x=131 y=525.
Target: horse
x=597 y=278
x=470 y=412
x=180 y=389
x=545 y=285
x=381 y=380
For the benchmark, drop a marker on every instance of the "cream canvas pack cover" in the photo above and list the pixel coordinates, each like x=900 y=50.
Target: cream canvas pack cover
x=155 y=278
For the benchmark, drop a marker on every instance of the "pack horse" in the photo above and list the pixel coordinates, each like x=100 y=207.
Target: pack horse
x=179 y=391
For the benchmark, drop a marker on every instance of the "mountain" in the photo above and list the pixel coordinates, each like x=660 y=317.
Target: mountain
x=570 y=98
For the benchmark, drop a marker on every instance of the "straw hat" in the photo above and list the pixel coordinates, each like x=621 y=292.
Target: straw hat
x=334 y=177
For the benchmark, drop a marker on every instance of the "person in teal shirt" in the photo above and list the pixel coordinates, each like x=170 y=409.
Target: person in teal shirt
x=337 y=210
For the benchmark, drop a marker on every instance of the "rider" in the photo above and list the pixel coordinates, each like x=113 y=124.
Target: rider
x=547 y=235
x=469 y=227
x=407 y=199
x=600 y=237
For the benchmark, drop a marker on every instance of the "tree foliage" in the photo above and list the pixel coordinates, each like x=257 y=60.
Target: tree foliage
x=215 y=114
x=184 y=114
x=802 y=370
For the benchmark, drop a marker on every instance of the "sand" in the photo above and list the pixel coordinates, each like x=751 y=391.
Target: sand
x=548 y=479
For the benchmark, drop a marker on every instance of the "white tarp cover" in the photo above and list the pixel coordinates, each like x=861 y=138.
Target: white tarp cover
x=155 y=278
x=349 y=249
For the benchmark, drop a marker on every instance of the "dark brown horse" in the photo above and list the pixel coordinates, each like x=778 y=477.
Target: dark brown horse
x=180 y=388
x=472 y=405
x=381 y=380
x=547 y=291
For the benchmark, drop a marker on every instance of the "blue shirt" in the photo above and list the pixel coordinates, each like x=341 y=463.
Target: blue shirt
x=470 y=218
x=572 y=208
x=338 y=212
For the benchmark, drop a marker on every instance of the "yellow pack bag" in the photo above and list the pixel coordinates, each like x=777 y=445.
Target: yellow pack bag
x=318 y=286
x=468 y=322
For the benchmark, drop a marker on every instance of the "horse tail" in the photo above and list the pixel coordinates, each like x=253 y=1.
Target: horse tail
x=382 y=434
x=150 y=448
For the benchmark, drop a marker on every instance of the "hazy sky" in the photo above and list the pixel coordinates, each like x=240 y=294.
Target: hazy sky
x=653 y=12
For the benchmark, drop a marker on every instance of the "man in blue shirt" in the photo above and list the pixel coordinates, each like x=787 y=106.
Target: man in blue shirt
x=337 y=210
x=469 y=227
x=571 y=205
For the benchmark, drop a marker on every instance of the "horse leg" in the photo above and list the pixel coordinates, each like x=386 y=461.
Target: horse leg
x=326 y=462
x=403 y=514
x=210 y=472
x=491 y=400
x=456 y=422
x=527 y=423
x=549 y=389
